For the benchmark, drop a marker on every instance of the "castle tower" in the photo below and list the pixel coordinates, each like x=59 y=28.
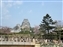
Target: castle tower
x=25 y=25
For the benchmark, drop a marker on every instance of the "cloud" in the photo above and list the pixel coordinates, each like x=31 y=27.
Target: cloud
x=11 y=3
x=6 y=17
x=18 y=3
x=30 y=11
x=21 y=12
x=42 y=3
x=5 y=5
x=5 y=12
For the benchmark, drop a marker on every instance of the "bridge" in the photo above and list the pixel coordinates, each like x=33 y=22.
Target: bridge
x=18 y=44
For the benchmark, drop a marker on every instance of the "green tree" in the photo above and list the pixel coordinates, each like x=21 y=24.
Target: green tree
x=46 y=25
x=31 y=31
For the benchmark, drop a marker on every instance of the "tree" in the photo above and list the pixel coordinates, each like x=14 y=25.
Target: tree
x=5 y=30
x=58 y=29
x=47 y=23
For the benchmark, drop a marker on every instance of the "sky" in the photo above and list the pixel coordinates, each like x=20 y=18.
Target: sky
x=15 y=11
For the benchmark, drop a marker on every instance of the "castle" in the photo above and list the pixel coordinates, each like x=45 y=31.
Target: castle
x=25 y=26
